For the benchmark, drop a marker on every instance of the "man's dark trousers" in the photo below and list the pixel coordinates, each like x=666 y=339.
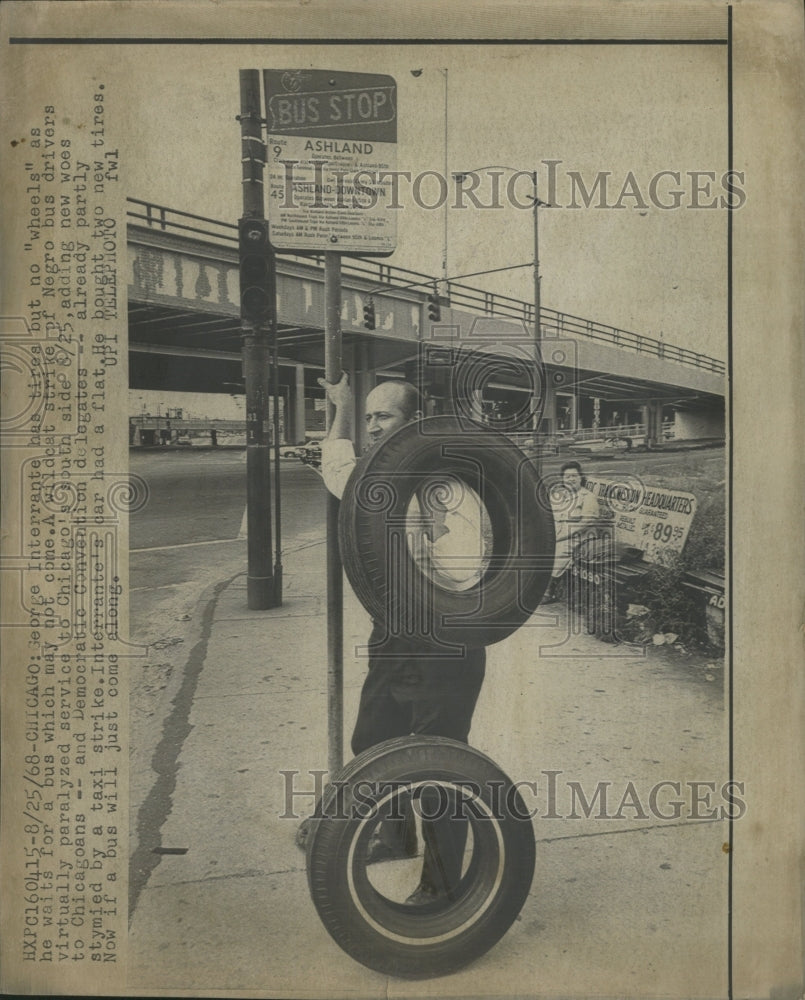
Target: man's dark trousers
x=410 y=690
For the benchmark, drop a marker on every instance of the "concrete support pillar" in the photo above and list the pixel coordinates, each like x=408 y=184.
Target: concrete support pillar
x=571 y=404
x=574 y=412
x=548 y=425
x=652 y=417
x=295 y=417
x=658 y=408
x=700 y=422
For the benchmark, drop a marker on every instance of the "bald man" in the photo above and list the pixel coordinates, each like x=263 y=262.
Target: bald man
x=407 y=691
x=389 y=406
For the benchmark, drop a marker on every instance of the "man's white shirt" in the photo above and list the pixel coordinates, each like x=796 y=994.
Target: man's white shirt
x=337 y=462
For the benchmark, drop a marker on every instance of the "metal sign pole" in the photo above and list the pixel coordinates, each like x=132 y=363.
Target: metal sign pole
x=335 y=580
x=307 y=111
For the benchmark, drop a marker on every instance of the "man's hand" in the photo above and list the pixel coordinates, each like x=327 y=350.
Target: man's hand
x=339 y=393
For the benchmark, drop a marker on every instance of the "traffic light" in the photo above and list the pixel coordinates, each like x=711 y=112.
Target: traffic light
x=257 y=271
x=369 y=320
x=434 y=308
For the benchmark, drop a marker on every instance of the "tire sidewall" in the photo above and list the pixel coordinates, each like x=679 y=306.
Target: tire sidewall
x=405 y=941
x=377 y=560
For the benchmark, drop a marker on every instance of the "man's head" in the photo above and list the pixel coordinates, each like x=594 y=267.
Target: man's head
x=390 y=406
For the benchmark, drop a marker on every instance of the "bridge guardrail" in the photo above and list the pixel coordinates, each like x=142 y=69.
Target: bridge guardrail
x=473 y=299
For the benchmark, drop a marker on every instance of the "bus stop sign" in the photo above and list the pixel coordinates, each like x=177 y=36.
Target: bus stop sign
x=332 y=147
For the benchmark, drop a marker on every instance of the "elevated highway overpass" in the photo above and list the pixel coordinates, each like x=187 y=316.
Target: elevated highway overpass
x=184 y=335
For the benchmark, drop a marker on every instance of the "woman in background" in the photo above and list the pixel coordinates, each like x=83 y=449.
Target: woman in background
x=577 y=514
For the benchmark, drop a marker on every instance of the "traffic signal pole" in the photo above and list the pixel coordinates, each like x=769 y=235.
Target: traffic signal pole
x=258 y=325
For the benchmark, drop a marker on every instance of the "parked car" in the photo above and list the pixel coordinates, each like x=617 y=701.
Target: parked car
x=310 y=454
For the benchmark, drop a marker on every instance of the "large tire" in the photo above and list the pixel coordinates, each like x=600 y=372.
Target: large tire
x=390 y=583
x=419 y=941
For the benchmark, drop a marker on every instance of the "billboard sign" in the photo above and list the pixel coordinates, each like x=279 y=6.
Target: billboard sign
x=651 y=518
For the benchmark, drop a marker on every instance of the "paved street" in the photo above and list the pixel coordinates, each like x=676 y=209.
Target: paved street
x=186 y=535
x=228 y=698
x=199 y=496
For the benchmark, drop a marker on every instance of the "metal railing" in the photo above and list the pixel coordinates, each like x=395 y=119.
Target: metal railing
x=553 y=323
x=596 y=433
x=551 y=441
x=148 y=421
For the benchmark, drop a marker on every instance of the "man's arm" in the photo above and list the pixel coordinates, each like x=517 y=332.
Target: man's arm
x=338 y=452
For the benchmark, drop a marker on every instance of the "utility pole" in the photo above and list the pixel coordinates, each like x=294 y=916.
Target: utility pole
x=537 y=307
x=537 y=310
x=446 y=291
x=258 y=305
x=537 y=292
x=537 y=296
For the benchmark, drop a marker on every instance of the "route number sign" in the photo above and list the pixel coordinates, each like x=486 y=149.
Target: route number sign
x=332 y=148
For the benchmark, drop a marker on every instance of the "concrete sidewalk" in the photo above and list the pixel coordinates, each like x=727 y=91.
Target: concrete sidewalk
x=629 y=906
